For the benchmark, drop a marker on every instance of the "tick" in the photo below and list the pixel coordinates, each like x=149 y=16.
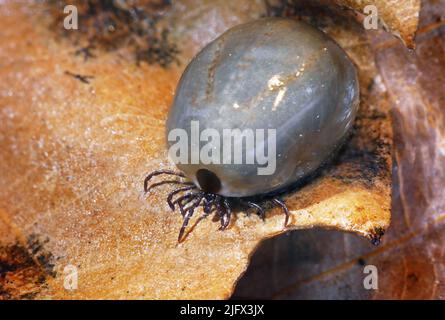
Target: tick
x=272 y=75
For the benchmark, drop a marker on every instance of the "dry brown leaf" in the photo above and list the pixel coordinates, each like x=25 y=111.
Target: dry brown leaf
x=74 y=155
x=399 y=17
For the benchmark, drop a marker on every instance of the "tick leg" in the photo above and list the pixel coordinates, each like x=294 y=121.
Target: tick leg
x=188 y=215
x=209 y=203
x=187 y=198
x=207 y=207
x=173 y=193
x=158 y=172
x=260 y=210
x=154 y=185
x=284 y=207
x=225 y=218
x=193 y=206
x=219 y=209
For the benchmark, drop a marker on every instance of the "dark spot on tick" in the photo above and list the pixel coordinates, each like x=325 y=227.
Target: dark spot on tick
x=208 y=181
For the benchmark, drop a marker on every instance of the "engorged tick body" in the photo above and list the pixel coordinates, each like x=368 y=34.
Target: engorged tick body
x=270 y=74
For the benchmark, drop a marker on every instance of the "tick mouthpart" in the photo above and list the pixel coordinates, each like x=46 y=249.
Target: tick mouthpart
x=208 y=181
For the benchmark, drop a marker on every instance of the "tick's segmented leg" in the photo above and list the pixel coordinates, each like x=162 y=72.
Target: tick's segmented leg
x=209 y=203
x=166 y=171
x=188 y=215
x=219 y=210
x=185 y=222
x=193 y=198
x=281 y=203
x=222 y=212
x=261 y=211
x=158 y=172
x=207 y=207
x=175 y=192
x=199 y=196
x=157 y=184
x=187 y=198
x=225 y=220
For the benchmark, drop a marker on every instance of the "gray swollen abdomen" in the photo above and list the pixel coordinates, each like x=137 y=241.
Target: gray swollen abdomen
x=260 y=107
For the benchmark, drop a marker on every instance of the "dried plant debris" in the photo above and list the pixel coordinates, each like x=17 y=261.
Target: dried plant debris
x=114 y=24
x=398 y=17
x=24 y=269
x=82 y=78
x=401 y=18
